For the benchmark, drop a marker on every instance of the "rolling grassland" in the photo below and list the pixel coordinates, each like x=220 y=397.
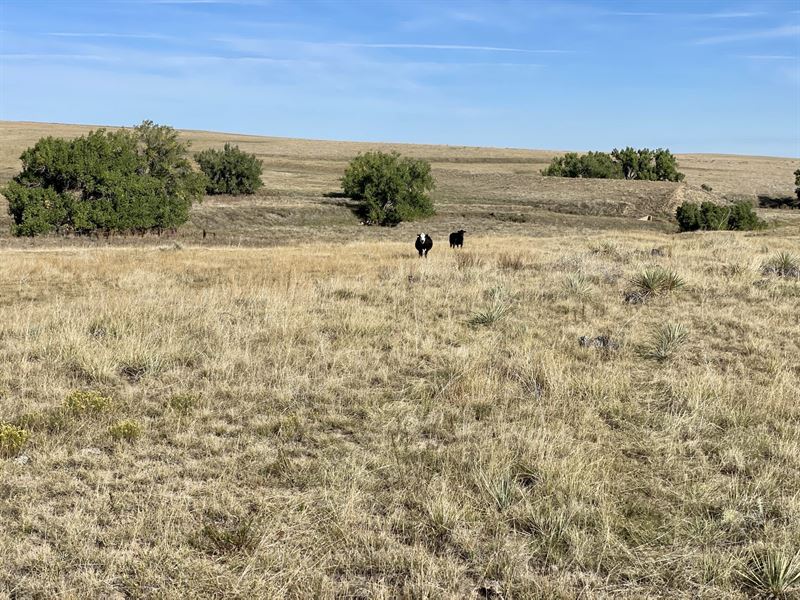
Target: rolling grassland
x=349 y=421
x=578 y=404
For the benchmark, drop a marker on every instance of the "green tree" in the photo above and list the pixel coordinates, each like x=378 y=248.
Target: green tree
x=666 y=166
x=390 y=188
x=628 y=163
x=230 y=170
x=797 y=183
x=124 y=181
x=739 y=216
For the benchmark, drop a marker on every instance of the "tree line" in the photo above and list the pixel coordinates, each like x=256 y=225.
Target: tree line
x=126 y=181
x=628 y=163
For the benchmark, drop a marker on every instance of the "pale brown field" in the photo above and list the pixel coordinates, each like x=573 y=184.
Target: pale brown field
x=331 y=417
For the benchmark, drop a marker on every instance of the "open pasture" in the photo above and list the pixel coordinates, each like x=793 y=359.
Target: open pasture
x=349 y=421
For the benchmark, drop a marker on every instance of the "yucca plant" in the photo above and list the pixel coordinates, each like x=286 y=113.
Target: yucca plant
x=666 y=341
x=503 y=490
x=783 y=264
x=657 y=280
x=773 y=574
x=496 y=312
x=577 y=286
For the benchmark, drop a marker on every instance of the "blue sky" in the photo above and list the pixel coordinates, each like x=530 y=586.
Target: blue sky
x=692 y=76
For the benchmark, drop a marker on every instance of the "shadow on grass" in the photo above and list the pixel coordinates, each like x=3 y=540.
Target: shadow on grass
x=779 y=202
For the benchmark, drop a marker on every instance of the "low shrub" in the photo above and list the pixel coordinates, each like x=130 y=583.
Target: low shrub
x=12 y=439
x=183 y=403
x=739 y=216
x=127 y=430
x=82 y=402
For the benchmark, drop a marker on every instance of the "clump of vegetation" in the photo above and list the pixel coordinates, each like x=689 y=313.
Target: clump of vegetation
x=86 y=402
x=773 y=574
x=498 y=311
x=183 y=403
x=12 y=439
x=230 y=170
x=227 y=535
x=126 y=181
x=628 y=163
x=657 y=280
x=467 y=260
x=577 y=286
x=710 y=216
x=389 y=188
x=797 y=184
x=511 y=261
x=666 y=341
x=783 y=264
x=127 y=430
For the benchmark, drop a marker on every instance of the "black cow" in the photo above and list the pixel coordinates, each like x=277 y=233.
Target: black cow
x=423 y=244
x=457 y=239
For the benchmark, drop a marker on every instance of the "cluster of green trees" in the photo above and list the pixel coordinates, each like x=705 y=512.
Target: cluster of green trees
x=389 y=188
x=628 y=163
x=230 y=171
x=126 y=181
x=709 y=216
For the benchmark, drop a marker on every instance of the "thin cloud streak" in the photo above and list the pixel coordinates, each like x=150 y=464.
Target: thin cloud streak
x=110 y=34
x=685 y=15
x=445 y=47
x=778 y=32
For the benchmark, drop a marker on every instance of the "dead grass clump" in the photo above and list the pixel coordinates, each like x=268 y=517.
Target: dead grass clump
x=227 y=534
x=511 y=261
x=467 y=260
x=12 y=439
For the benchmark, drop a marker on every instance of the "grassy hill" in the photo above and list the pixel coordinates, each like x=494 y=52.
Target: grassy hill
x=484 y=190
x=324 y=415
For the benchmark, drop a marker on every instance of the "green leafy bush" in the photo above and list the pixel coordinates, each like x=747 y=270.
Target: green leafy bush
x=12 y=439
x=390 y=188
x=230 y=170
x=128 y=181
x=628 y=163
x=710 y=216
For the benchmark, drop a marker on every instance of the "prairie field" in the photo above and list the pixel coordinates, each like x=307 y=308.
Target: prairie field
x=577 y=404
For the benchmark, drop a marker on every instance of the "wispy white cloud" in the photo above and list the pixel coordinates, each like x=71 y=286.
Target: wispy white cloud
x=106 y=34
x=446 y=47
x=56 y=56
x=762 y=34
x=770 y=57
x=689 y=15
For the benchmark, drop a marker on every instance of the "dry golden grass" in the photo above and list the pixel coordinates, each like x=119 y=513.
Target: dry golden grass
x=320 y=421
